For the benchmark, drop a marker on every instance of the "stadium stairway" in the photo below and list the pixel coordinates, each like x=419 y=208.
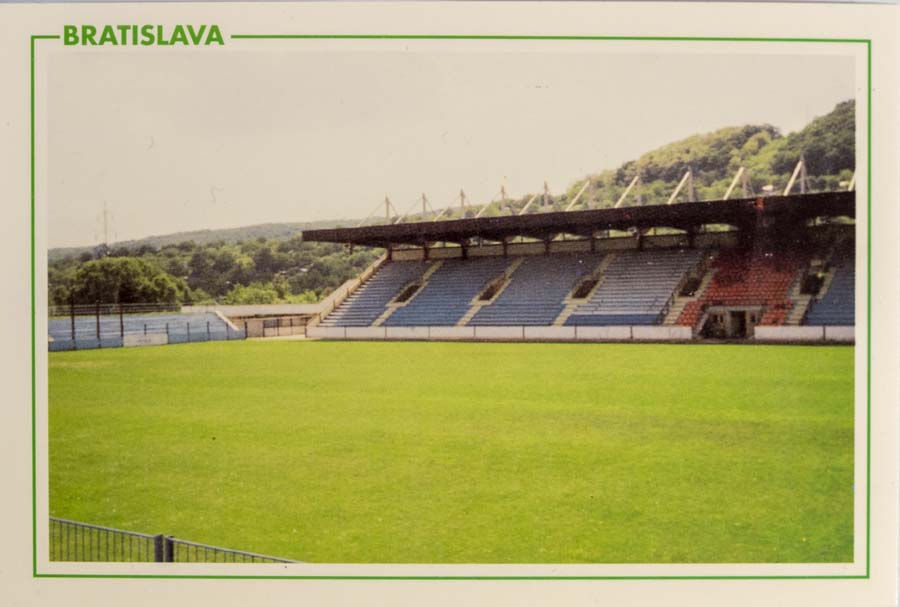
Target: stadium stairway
x=393 y=307
x=536 y=293
x=478 y=304
x=572 y=304
x=449 y=292
x=369 y=301
x=801 y=301
x=681 y=301
x=637 y=288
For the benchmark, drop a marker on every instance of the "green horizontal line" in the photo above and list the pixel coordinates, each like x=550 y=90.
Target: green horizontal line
x=463 y=578
x=45 y=36
x=497 y=37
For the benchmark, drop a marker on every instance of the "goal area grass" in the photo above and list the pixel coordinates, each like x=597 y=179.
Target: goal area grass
x=411 y=452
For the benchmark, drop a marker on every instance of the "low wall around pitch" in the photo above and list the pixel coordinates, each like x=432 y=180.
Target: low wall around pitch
x=636 y=333
x=805 y=334
x=464 y=333
x=366 y=332
x=505 y=333
x=612 y=333
x=843 y=334
x=661 y=333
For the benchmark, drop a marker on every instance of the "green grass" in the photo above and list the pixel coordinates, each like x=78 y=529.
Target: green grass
x=463 y=453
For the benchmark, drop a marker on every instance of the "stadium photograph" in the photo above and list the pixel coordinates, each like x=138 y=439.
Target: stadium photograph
x=517 y=304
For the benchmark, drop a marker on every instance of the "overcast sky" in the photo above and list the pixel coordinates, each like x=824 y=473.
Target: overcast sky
x=215 y=139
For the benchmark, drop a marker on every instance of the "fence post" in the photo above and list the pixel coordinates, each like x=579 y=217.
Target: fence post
x=159 y=551
x=208 y=336
x=72 y=316
x=169 y=551
x=121 y=323
x=97 y=315
x=189 y=332
x=246 y=335
x=145 y=328
x=167 y=331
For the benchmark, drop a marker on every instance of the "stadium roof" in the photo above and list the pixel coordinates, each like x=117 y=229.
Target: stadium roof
x=743 y=214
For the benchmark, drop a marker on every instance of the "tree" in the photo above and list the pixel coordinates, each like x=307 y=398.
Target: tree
x=125 y=280
x=256 y=293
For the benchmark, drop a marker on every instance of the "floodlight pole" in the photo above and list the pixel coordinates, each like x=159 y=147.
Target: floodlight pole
x=734 y=182
x=528 y=204
x=741 y=176
x=800 y=170
x=388 y=207
x=378 y=206
x=578 y=195
x=681 y=183
x=634 y=182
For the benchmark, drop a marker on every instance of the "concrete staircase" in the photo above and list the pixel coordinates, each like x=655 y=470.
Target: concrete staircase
x=572 y=304
x=802 y=302
x=343 y=292
x=391 y=308
x=681 y=301
x=477 y=304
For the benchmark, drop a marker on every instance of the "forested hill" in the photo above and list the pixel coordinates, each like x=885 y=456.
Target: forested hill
x=827 y=144
x=269 y=263
x=269 y=231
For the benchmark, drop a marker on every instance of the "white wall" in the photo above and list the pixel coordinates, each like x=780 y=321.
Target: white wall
x=603 y=333
x=326 y=332
x=499 y=333
x=152 y=339
x=661 y=333
x=612 y=333
x=366 y=332
x=550 y=333
x=452 y=332
x=847 y=334
x=406 y=332
x=789 y=333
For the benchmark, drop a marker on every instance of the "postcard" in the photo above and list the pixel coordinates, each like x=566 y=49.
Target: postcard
x=451 y=302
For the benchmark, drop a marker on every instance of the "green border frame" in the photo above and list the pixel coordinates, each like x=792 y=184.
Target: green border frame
x=866 y=41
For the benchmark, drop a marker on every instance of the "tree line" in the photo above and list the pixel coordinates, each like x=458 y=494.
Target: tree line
x=258 y=271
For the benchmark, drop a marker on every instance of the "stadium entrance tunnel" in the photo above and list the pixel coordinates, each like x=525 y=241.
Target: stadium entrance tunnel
x=731 y=323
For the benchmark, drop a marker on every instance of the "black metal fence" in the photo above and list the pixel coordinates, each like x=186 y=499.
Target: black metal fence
x=81 y=327
x=74 y=541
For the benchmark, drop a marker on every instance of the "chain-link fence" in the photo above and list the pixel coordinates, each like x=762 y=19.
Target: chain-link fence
x=74 y=541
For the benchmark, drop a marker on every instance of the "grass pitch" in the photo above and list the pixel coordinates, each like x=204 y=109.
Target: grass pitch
x=463 y=453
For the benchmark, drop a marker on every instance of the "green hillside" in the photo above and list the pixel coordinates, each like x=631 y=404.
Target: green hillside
x=269 y=231
x=827 y=143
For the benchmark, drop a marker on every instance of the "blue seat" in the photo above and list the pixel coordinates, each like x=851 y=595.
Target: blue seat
x=367 y=303
x=837 y=307
x=448 y=295
x=636 y=288
x=537 y=289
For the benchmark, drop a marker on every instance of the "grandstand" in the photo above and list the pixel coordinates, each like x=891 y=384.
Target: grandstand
x=593 y=273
